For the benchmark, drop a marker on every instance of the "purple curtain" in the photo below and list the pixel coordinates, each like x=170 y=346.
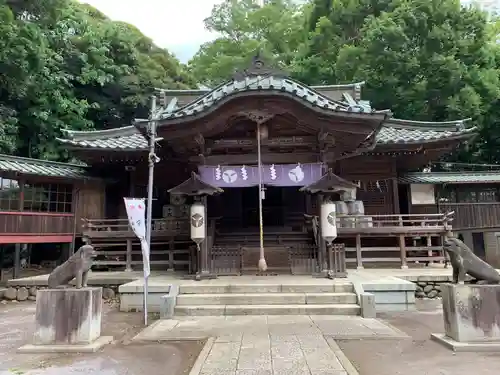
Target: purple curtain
x=274 y=175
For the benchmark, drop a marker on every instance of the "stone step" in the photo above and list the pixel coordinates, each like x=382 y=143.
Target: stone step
x=266 y=299
x=221 y=310
x=334 y=287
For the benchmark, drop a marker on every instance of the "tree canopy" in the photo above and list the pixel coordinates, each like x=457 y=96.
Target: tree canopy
x=66 y=65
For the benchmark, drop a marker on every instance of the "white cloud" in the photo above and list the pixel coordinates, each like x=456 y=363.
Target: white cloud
x=173 y=24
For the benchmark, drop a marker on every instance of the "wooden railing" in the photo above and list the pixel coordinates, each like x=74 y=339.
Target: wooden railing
x=474 y=215
x=404 y=228
x=394 y=224
x=35 y=223
x=168 y=253
x=120 y=228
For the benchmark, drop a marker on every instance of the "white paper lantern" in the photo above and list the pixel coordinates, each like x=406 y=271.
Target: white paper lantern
x=328 y=221
x=198 y=222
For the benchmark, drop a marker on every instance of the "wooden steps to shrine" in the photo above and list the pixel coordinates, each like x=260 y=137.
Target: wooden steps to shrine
x=337 y=298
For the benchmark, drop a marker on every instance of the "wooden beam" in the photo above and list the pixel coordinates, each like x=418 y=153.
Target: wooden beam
x=293 y=141
x=267 y=158
x=35 y=238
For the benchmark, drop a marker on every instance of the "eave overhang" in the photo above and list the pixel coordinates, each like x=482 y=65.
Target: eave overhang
x=14 y=167
x=464 y=177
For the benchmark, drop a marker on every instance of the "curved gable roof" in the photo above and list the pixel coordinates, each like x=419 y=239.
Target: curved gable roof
x=263 y=84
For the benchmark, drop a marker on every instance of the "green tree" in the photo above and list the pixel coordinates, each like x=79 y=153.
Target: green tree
x=66 y=65
x=276 y=30
x=423 y=59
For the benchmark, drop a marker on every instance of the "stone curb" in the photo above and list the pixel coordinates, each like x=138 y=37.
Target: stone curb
x=202 y=357
x=344 y=361
x=28 y=293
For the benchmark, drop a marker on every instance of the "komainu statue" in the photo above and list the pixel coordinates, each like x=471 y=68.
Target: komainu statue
x=464 y=261
x=77 y=266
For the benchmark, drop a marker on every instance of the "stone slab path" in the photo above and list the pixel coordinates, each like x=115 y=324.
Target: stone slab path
x=256 y=354
x=271 y=345
x=201 y=327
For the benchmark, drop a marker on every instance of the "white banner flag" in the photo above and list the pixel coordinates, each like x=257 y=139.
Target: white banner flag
x=136 y=212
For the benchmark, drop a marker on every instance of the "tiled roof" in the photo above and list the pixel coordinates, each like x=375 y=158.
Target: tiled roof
x=125 y=138
x=396 y=131
x=451 y=177
x=131 y=139
x=37 y=167
x=269 y=84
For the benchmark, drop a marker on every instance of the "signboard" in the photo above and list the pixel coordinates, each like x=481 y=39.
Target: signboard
x=272 y=175
x=136 y=213
x=422 y=194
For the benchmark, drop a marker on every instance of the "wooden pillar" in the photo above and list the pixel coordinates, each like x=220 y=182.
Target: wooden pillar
x=21 y=194
x=16 y=272
x=395 y=196
x=171 y=248
x=359 y=257
x=429 y=252
x=204 y=265
x=402 y=248
x=128 y=266
x=322 y=243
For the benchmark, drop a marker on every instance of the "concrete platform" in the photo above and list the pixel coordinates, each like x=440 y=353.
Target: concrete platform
x=393 y=289
x=466 y=346
x=88 y=348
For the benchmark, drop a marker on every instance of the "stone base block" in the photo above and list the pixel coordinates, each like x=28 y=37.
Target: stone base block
x=168 y=302
x=465 y=346
x=68 y=316
x=201 y=276
x=471 y=312
x=66 y=348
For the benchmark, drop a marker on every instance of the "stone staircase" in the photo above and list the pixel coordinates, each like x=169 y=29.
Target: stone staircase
x=331 y=298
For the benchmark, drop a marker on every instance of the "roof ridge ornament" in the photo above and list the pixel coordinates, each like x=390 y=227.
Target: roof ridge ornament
x=259 y=67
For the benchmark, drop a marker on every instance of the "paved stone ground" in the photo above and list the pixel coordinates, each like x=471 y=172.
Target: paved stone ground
x=119 y=358
x=419 y=355
x=271 y=345
x=337 y=327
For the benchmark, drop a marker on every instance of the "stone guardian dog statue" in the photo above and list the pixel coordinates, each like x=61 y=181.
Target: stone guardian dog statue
x=77 y=266
x=464 y=261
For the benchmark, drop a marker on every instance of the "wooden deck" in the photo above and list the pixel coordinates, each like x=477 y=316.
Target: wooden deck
x=380 y=239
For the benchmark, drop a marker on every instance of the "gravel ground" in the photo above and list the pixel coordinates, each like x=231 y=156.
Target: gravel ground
x=419 y=355
x=119 y=358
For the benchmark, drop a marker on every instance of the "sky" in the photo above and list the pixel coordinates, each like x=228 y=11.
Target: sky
x=173 y=24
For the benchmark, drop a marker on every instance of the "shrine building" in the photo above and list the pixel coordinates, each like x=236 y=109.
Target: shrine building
x=317 y=144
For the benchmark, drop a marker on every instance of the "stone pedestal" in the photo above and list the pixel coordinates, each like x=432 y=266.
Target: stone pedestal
x=68 y=320
x=471 y=316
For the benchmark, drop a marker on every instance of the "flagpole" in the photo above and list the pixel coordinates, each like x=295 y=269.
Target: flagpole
x=262 y=259
x=149 y=213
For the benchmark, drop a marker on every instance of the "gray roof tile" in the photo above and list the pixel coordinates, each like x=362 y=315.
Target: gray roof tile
x=264 y=83
x=389 y=134
x=466 y=177
x=37 y=167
